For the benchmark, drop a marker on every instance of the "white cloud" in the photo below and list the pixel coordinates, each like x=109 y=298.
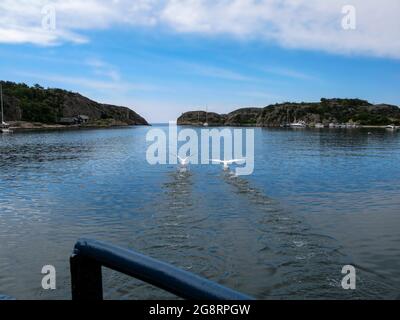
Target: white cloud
x=90 y=83
x=213 y=72
x=305 y=24
x=101 y=68
x=289 y=73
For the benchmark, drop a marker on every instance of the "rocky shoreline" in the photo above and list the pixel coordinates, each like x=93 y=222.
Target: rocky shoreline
x=24 y=126
x=31 y=108
x=327 y=112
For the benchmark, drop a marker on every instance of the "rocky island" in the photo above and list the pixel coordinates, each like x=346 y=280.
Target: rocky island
x=35 y=107
x=326 y=112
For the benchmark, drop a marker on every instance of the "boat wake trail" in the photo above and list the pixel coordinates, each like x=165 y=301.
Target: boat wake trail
x=174 y=233
x=236 y=235
x=299 y=261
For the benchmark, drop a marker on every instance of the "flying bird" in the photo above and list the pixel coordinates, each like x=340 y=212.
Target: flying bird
x=226 y=163
x=183 y=161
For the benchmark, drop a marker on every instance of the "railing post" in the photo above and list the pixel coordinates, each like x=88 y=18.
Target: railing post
x=90 y=256
x=86 y=278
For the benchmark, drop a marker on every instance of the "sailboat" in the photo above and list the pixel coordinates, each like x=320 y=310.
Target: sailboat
x=205 y=124
x=391 y=127
x=287 y=123
x=297 y=124
x=4 y=127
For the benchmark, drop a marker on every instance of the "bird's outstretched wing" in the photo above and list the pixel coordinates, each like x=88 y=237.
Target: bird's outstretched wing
x=216 y=160
x=236 y=160
x=183 y=159
x=187 y=158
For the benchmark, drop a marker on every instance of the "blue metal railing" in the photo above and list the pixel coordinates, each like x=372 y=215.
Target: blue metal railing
x=90 y=256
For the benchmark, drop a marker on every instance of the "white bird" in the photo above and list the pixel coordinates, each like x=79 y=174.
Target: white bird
x=183 y=161
x=226 y=163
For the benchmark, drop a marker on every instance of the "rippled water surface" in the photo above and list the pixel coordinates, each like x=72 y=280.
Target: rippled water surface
x=318 y=200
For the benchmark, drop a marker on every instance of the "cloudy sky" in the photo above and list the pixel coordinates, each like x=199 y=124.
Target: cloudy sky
x=164 y=57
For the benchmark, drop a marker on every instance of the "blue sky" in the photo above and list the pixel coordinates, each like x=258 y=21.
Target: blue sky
x=173 y=63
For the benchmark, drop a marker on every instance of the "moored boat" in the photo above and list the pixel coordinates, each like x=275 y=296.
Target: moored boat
x=205 y=124
x=4 y=127
x=391 y=127
x=298 y=124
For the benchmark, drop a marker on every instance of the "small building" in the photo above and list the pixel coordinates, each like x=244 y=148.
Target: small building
x=68 y=120
x=82 y=119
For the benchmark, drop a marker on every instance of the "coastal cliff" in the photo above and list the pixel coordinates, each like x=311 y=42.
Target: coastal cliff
x=48 y=106
x=327 y=111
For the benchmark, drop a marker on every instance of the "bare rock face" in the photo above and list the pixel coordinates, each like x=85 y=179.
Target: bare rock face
x=76 y=104
x=241 y=117
x=36 y=104
x=123 y=114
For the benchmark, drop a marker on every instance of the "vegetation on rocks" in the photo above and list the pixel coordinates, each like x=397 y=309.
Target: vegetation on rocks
x=326 y=111
x=37 y=104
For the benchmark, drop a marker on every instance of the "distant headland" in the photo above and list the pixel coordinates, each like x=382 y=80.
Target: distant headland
x=327 y=112
x=35 y=107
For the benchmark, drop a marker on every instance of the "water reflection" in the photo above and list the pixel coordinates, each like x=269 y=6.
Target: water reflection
x=38 y=153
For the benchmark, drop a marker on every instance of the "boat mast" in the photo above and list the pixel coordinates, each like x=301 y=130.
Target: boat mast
x=1 y=98
x=287 y=116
